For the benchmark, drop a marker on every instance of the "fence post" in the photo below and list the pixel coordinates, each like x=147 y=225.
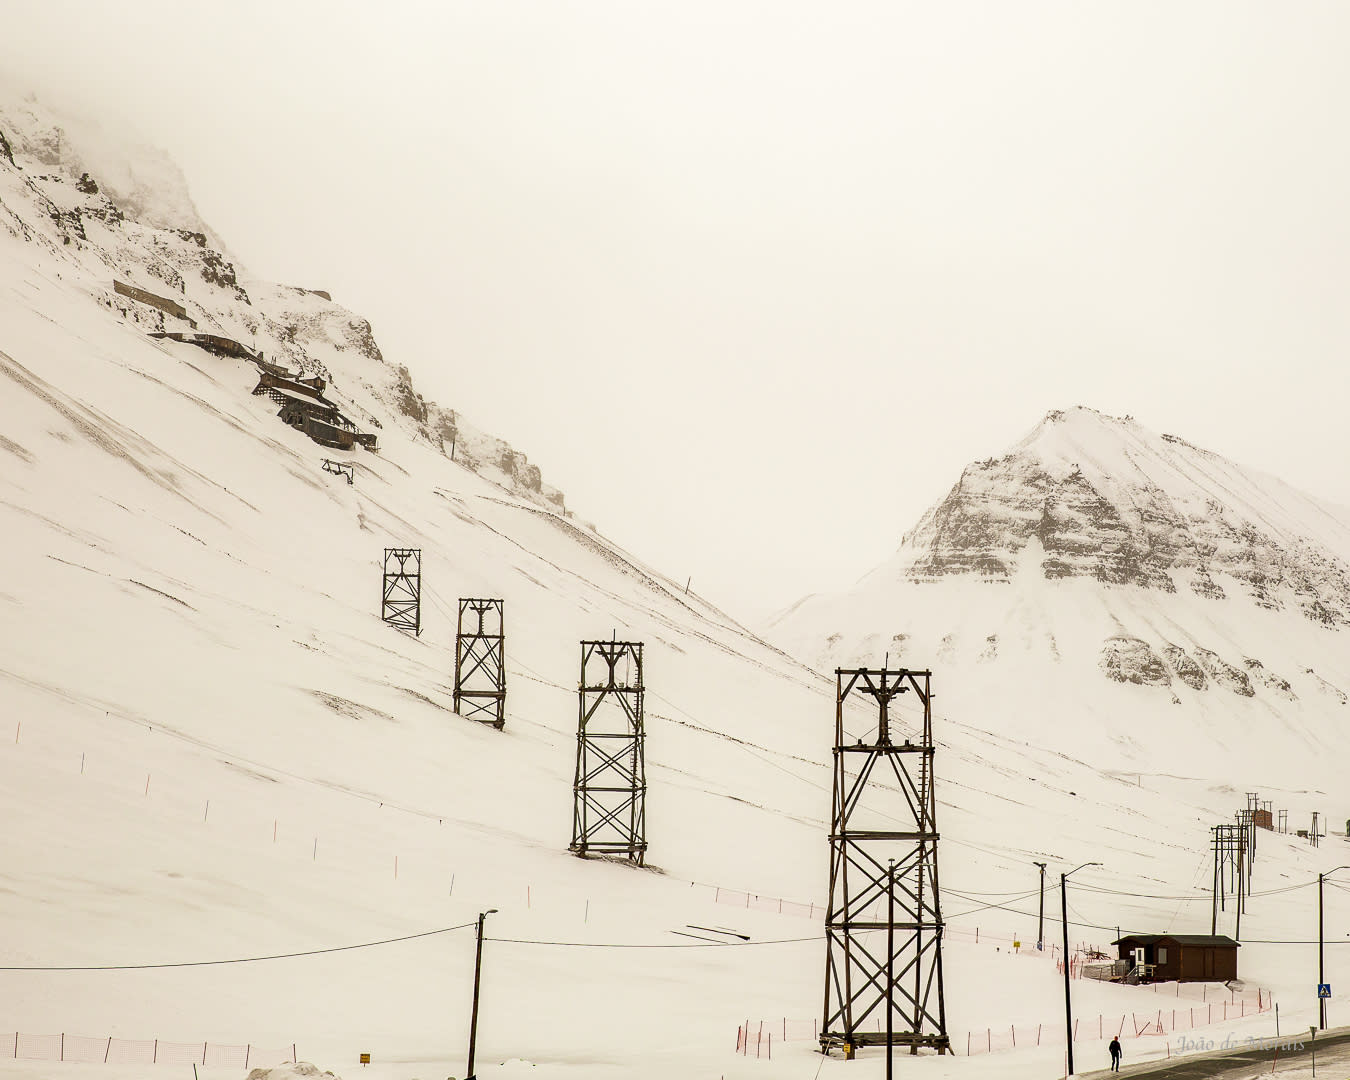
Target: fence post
x=203 y=1055
x=247 y=1049
x=988 y=1040
x=107 y=1051
x=63 y=1046
x=1038 y=1034
x=1013 y=1029
x=154 y=1056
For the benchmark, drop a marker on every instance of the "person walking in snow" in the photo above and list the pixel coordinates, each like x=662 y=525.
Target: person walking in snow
x=1115 y=1054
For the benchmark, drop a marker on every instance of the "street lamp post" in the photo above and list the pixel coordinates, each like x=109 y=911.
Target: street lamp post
x=1064 y=922
x=1040 y=921
x=1321 y=963
x=477 y=974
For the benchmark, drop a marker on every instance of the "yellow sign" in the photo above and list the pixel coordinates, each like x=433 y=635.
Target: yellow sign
x=365 y=1059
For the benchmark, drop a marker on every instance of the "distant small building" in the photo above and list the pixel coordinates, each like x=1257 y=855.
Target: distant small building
x=1181 y=957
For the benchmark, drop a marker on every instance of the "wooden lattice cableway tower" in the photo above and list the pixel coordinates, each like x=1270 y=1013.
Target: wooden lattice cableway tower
x=480 y=661
x=402 y=604
x=610 y=787
x=883 y=927
x=1231 y=874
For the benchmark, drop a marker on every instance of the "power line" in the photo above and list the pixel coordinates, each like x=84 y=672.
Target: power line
x=622 y=945
x=244 y=959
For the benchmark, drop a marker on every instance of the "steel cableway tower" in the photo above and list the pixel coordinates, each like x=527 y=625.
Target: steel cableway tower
x=883 y=926
x=609 y=814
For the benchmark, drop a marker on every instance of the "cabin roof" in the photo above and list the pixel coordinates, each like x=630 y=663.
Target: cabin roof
x=1217 y=940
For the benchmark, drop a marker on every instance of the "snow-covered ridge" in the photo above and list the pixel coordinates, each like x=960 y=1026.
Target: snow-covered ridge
x=1112 y=501
x=122 y=213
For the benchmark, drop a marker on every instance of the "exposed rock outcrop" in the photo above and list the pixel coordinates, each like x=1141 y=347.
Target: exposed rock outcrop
x=1224 y=674
x=1188 y=671
x=1131 y=660
x=1270 y=680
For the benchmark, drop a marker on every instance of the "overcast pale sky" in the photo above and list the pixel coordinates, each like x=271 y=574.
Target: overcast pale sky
x=752 y=282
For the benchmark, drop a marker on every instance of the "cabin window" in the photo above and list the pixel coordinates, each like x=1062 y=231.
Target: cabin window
x=1162 y=955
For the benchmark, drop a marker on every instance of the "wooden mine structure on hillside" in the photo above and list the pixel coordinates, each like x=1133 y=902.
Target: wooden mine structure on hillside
x=609 y=815
x=303 y=405
x=883 y=926
x=480 y=661
x=401 y=607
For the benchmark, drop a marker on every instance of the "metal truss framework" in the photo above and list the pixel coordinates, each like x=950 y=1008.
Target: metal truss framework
x=610 y=788
x=402 y=604
x=883 y=962
x=480 y=661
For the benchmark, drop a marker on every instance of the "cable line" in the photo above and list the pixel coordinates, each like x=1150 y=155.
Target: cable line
x=240 y=960
x=622 y=945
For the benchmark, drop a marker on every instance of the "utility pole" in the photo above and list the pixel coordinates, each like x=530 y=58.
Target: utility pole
x=1064 y=921
x=1040 y=919
x=477 y=975
x=1321 y=963
x=890 y=966
x=1214 y=911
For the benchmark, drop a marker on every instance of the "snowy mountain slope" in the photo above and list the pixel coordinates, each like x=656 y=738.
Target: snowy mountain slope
x=50 y=200
x=1189 y=604
x=219 y=750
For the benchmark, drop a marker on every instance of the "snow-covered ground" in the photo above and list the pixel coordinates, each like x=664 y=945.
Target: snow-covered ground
x=215 y=751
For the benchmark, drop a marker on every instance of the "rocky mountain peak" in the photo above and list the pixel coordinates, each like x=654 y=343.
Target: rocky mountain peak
x=1107 y=499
